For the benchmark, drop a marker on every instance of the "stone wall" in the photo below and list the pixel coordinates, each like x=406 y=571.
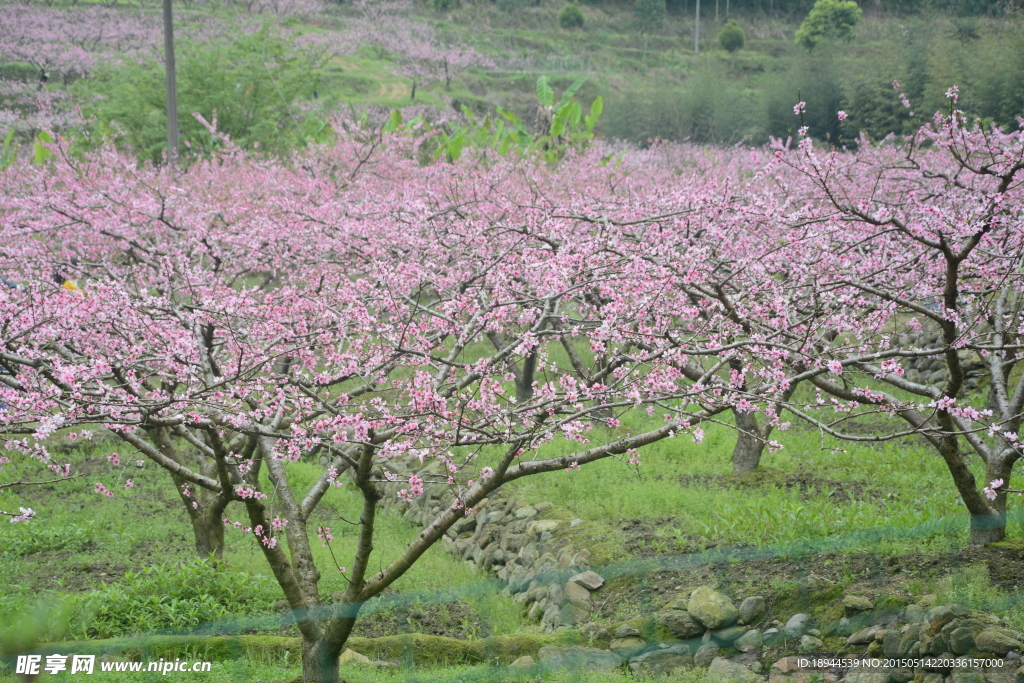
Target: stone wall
x=511 y=540
x=932 y=369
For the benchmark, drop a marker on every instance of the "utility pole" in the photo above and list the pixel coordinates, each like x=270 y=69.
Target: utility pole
x=696 y=29
x=171 y=86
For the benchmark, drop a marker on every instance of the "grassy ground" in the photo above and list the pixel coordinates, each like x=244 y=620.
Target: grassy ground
x=877 y=520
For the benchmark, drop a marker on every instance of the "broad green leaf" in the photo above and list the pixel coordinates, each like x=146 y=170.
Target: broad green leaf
x=545 y=95
x=572 y=90
x=393 y=122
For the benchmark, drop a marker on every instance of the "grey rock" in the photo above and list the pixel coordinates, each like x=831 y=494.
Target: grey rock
x=524 y=662
x=771 y=635
x=706 y=654
x=662 y=661
x=680 y=624
x=797 y=625
x=750 y=641
x=626 y=631
x=627 y=647
x=961 y=640
x=573 y=614
x=525 y=512
x=998 y=641
x=711 y=608
x=810 y=644
x=901 y=675
x=574 y=590
x=589 y=580
x=939 y=616
x=751 y=610
x=857 y=603
x=910 y=639
x=1019 y=676
x=960 y=676
x=865 y=676
x=577 y=657
x=915 y=614
x=722 y=670
x=728 y=635
x=575 y=522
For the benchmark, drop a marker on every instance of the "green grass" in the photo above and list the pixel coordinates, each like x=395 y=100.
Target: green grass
x=246 y=670
x=57 y=570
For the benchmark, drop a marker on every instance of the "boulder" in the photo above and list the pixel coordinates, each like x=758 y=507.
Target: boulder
x=589 y=580
x=797 y=625
x=706 y=654
x=350 y=656
x=680 y=624
x=627 y=647
x=997 y=641
x=749 y=642
x=722 y=670
x=810 y=644
x=574 y=590
x=577 y=657
x=662 y=661
x=544 y=525
x=572 y=614
x=728 y=635
x=625 y=631
x=961 y=676
x=863 y=636
x=857 y=603
x=524 y=662
x=865 y=676
x=711 y=608
x=943 y=614
x=961 y=640
x=751 y=610
x=788 y=670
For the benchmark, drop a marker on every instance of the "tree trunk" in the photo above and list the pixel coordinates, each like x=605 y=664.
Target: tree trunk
x=208 y=529
x=319 y=665
x=746 y=455
x=989 y=528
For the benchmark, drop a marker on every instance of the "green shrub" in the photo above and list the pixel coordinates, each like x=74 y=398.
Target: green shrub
x=444 y=5
x=650 y=14
x=732 y=36
x=828 y=20
x=173 y=598
x=571 y=16
x=250 y=85
x=24 y=539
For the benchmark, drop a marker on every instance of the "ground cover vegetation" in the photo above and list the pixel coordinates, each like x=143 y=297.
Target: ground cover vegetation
x=205 y=372
x=266 y=333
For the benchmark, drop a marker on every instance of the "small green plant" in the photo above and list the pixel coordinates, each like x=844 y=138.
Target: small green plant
x=173 y=598
x=571 y=17
x=21 y=540
x=732 y=37
x=828 y=20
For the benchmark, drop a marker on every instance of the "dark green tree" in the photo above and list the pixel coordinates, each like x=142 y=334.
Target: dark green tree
x=571 y=16
x=732 y=37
